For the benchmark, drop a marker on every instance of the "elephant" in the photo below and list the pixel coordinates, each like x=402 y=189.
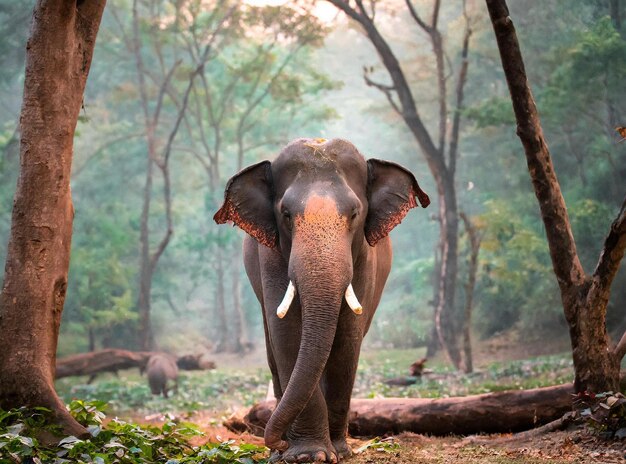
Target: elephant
x=317 y=255
x=162 y=372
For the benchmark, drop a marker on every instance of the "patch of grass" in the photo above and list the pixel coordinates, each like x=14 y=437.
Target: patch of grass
x=207 y=390
x=442 y=381
x=222 y=391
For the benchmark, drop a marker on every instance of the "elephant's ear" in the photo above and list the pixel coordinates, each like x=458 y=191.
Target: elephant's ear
x=391 y=192
x=248 y=203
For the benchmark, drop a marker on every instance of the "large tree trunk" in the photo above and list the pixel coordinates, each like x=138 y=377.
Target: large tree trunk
x=58 y=58
x=501 y=412
x=584 y=297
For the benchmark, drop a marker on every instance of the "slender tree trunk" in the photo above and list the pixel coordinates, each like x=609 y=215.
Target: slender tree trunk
x=223 y=334
x=614 y=7
x=239 y=327
x=59 y=52
x=445 y=320
x=433 y=341
x=596 y=360
x=474 y=242
x=444 y=174
x=92 y=339
x=148 y=259
x=145 y=270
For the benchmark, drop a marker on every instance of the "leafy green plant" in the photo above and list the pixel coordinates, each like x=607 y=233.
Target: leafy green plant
x=116 y=442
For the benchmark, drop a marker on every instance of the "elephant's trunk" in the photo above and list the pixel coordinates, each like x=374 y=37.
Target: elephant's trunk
x=321 y=278
x=318 y=333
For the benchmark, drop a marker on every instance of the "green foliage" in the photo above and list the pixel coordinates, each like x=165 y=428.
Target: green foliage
x=396 y=324
x=210 y=390
x=536 y=372
x=116 y=442
x=496 y=111
x=592 y=69
x=515 y=267
x=286 y=67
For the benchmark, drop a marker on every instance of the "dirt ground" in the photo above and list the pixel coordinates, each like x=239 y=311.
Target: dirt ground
x=575 y=445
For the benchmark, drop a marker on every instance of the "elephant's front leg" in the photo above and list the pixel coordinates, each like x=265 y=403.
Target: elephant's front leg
x=339 y=378
x=308 y=436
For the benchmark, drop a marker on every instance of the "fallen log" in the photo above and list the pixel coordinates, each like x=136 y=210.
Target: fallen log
x=500 y=412
x=113 y=360
x=96 y=362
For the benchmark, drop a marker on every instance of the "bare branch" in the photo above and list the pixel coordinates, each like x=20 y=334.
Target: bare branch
x=620 y=349
x=611 y=255
x=410 y=114
x=162 y=91
x=363 y=11
x=386 y=89
x=77 y=170
x=460 y=86
x=437 y=41
x=435 y=18
x=417 y=17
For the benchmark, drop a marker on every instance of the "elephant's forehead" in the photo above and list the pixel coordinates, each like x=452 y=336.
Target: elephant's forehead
x=319 y=155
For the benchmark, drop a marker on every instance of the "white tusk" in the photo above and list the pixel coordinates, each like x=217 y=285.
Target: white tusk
x=352 y=301
x=283 y=307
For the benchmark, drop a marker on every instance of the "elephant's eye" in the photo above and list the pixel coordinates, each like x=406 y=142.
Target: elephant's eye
x=355 y=213
x=287 y=217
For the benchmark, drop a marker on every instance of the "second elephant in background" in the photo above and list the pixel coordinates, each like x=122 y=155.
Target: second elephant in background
x=162 y=373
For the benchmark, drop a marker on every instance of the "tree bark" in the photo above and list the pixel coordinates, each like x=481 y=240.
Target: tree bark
x=501 y=412
x=58 y=58
x=584 y=298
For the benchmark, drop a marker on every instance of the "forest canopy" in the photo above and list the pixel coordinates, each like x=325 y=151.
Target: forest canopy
x=181 y=96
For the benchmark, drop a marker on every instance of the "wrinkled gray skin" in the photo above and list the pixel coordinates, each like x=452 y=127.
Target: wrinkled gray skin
x=318 y=215
x=162 y=373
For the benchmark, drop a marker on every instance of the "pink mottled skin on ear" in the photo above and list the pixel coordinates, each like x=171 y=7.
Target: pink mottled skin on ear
x=228 y=212
x=396 y=218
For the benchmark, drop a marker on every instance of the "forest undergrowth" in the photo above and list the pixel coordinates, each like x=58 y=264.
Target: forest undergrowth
x=129 y=425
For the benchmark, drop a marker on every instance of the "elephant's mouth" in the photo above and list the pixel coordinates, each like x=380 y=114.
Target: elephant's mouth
x=290 y=294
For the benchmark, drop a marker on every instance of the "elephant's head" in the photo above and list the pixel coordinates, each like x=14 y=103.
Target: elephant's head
x=319 y=203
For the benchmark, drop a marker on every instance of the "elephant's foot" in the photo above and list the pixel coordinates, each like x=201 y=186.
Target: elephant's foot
x=307 y=451
x=342 y=448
